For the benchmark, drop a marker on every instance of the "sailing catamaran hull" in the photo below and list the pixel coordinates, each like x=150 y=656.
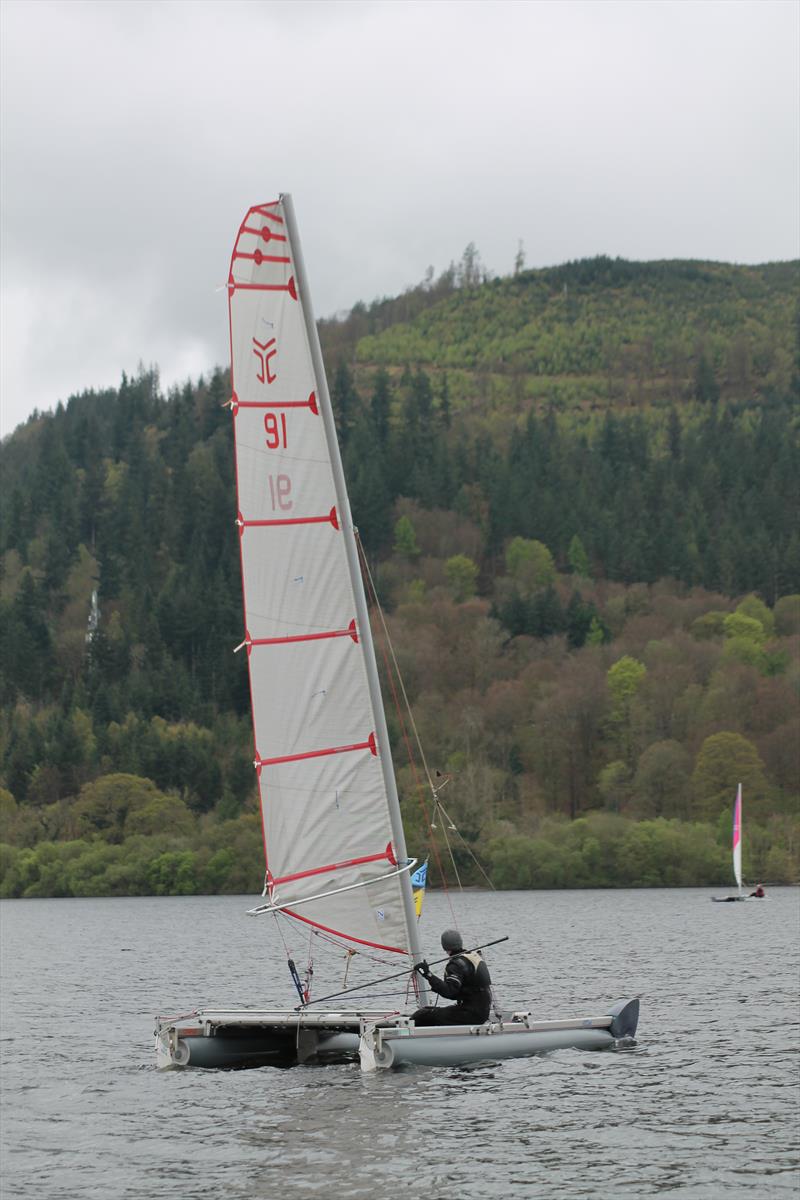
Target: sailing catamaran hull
x=487 y=1043
x=282 y=1038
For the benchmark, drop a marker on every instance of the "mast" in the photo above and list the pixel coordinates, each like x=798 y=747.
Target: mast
x=354 y=568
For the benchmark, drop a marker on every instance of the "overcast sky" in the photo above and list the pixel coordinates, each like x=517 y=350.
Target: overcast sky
x=136 y=135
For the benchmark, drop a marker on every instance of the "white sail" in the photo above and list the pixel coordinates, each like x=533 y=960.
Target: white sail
x=335 y=857
x=737 y=837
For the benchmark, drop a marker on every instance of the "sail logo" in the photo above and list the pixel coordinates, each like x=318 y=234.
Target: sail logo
x=265 y=352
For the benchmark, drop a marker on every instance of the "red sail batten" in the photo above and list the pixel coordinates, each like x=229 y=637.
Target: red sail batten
x=267 y=234
x=331 y=519
x=258 y=257
x=311 y=403
x=263 y=209
x=350 y=632
x=289 y=287
x=286 y=758
x=385 y=856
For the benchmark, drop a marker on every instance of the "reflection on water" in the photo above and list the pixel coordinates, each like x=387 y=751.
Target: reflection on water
x=705 y=1106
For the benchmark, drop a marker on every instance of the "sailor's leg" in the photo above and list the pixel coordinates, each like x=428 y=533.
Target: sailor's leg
x=428 y=1016
x=455 y=1014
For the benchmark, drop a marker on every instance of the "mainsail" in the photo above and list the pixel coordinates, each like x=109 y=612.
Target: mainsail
x=737 y=837
x=333 y=838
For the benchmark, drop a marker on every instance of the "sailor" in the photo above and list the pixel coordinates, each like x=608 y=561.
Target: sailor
x=466 y=980
x=759 y=893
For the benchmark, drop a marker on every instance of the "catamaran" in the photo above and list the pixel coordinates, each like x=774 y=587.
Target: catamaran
x=337 y=866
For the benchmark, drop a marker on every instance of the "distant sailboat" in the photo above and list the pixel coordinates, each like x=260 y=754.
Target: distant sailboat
x=737 y=852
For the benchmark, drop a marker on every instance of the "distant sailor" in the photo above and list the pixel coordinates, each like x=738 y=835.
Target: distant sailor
x=466 y=980
x=759 y=893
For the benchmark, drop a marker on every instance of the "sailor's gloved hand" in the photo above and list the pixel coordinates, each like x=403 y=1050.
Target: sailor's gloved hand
x=423 y=969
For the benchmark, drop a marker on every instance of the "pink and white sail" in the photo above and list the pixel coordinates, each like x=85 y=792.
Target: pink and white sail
x=737 y=837
x=333 y=858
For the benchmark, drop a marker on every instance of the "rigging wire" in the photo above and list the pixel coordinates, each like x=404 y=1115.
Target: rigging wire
x=465 y=844
x=437 y=804
x=387 y=641
x=412 y=722
x=302 y=992
x=330 y=945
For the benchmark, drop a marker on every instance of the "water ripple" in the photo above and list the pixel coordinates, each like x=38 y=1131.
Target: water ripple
x=704 y=1107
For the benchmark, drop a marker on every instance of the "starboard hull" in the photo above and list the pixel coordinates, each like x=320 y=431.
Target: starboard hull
x=230 y=1040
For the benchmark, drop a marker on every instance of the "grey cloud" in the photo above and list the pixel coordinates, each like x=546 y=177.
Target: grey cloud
x=136 y=135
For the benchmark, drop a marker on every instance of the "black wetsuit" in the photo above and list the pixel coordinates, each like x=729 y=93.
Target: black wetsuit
x=467 y=981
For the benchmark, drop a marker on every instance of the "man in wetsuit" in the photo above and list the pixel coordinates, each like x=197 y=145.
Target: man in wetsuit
x=466 y=980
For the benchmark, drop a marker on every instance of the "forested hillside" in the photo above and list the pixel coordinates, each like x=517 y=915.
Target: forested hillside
x=589 y=333
x=578 y=492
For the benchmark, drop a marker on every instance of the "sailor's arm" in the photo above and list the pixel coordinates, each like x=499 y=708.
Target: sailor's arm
x=455 y=974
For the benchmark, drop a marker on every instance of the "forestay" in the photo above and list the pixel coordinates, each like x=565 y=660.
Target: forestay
x=335 y=857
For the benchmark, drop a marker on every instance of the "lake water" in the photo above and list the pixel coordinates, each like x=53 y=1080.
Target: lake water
x=706 y=1105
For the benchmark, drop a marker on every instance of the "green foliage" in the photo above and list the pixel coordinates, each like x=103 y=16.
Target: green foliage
x=225 y=857
x=578 y=558
x=706 y=388
x=755 y=608
x=661 y=785
x=462 y=575
x=598 y=632
x=629 y=328
x=725 y=760
x=583 y=624
x=474 y=416
x=787 y=615
x=746 y=650
x=115 y=805
x=405 y=539
x=8 y=810
x=738 y=625
x=625 y=677
x=173 y=874
x=159 y=813
x=529 y=563
x=614 y=784
x=710 y=625
x=607 y=851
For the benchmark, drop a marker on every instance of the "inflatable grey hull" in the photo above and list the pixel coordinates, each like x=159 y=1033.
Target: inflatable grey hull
x=218 y=1039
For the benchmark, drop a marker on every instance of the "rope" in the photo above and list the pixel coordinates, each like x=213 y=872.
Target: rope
x=466 y=845
x=340 y=945
x=450 y=852
x=438 y=807
x=280 y=934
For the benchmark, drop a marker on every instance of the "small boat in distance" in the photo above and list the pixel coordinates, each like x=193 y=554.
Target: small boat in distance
x=737 y=853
